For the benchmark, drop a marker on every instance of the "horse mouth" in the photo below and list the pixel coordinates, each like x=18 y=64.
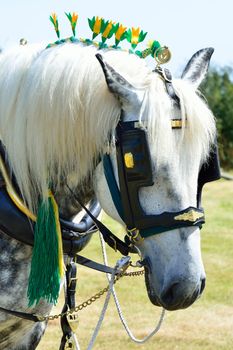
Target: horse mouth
x=168 y=300
x=153 y=298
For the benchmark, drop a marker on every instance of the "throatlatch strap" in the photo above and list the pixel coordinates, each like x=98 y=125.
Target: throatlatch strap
x=112 y=240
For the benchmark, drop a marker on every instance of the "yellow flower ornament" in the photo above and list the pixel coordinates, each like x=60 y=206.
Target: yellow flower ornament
x=96 y=24
x=54 y=20
x=120 y=33
x=73 y=18
x=108 y=30
x=135 y=36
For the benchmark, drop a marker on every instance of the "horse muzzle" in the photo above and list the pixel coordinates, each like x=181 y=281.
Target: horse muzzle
x=175 y=295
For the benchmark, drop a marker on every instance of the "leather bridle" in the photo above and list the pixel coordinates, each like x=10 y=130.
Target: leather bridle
x=135 y=171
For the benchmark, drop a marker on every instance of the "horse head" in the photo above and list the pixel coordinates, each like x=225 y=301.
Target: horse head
x=175 y=276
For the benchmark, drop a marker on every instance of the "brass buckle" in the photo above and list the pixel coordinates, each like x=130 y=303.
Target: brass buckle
x=71 y=279
x=134 y=235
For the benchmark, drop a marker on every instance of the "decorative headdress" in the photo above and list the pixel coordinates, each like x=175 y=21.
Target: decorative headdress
x=107 y=29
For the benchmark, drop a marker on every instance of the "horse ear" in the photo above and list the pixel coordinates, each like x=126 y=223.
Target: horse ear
x=120 y=87
x=197 y=67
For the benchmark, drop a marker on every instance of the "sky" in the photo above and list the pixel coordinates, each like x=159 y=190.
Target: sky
x=183 y=26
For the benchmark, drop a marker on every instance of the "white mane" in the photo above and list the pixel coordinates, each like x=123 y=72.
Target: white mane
x=57 y=115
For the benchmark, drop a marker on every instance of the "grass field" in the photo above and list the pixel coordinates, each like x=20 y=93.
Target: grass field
x=207 y=325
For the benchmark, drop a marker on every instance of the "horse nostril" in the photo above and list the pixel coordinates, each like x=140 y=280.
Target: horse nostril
x=202 y=285
x=168 y=296
x=177 y=296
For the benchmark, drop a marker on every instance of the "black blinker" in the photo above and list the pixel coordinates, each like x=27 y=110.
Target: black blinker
x=210 y=171
x=136 y=155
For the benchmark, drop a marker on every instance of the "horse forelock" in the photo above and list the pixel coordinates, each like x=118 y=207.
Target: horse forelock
x=57 y=115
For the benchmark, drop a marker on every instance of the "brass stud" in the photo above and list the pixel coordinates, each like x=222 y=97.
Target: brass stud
x=129 y=161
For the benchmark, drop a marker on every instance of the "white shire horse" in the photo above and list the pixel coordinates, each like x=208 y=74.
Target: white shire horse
x=58 y=117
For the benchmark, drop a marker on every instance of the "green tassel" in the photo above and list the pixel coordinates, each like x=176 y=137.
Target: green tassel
x=44 y=279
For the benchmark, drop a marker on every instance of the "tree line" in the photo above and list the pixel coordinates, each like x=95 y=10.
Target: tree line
x=218 y=91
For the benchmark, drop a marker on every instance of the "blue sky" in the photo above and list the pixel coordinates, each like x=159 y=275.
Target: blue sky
x=184 y=26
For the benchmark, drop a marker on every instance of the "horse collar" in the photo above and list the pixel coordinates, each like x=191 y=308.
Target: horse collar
x=17 y=222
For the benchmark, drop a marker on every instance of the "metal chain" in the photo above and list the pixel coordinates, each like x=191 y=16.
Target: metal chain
x=134 y=273
x=90 y=300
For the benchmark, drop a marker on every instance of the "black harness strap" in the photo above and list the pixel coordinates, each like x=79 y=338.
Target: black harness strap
x=70 y=289
x=81 y=260
x=24 y=315
x=112 y=240
x=167 y=77
x=66 y=330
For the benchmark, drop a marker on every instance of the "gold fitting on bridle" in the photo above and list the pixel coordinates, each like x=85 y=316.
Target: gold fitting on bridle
x=134 y=235
x=162 y=55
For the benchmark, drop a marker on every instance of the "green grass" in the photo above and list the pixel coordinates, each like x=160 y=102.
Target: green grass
x=207 y=325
